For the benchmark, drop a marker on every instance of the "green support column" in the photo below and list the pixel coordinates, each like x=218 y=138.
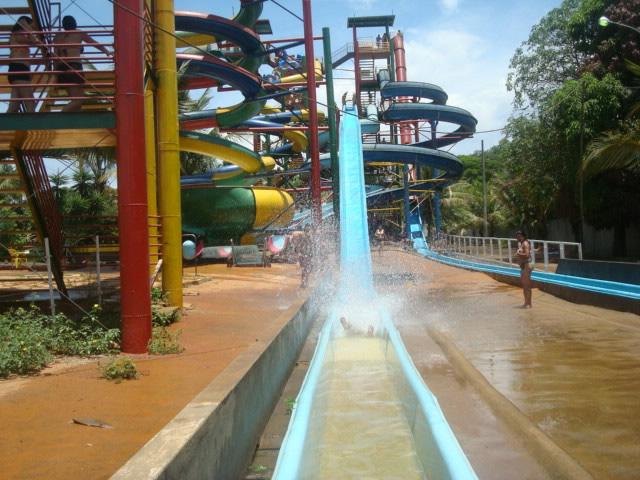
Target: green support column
x=333 y=133
x=392 y=62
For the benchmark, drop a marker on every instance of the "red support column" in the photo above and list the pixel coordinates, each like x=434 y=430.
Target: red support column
x=135 y=295
x=312 y=133
x=401 y=76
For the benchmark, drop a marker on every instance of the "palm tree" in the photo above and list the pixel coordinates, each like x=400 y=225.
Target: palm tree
x=616 y=150
x=82 y=181
x=462 y=208
x=58 y=180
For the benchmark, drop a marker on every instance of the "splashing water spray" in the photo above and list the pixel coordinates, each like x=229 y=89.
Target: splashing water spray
x=364 y=409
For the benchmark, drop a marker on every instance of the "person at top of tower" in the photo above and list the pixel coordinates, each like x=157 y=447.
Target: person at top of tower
x=20 y=65
x=67 y=60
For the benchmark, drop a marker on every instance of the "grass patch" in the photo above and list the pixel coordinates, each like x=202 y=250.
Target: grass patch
x=163 y=316
x=164 y=342
x=30 y=339
x=121 y=368
x=290 y=403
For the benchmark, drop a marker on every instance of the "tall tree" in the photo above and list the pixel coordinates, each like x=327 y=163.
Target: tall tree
x=549 y=57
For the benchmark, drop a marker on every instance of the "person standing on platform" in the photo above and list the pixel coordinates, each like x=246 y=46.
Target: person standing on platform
x=68 y=52
x=19 y=77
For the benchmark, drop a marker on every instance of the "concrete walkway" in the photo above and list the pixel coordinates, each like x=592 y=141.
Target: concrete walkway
x=225 y=315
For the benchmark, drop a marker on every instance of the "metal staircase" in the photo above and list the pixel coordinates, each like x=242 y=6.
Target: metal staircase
x=34 y=189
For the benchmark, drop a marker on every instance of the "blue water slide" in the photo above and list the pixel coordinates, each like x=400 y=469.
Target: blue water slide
x=436 y=447
x=435 y=113
x=411 y=154
x=199 y=66
x=414 y=89
x=253 y=51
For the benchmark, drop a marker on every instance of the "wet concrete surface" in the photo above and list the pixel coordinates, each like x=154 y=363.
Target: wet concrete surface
x=225 y=315
x=574 y=370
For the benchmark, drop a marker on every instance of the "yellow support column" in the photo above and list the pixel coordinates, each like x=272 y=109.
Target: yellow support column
x=152 y=174
x=168 y=153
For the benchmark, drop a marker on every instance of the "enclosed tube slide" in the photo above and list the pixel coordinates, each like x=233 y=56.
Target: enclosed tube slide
x=225 y=214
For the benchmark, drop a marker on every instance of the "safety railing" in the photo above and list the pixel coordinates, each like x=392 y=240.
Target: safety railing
x=372 y=45
x=503 y=250
x=343 y=52
x=45 y=75
x=365 y=46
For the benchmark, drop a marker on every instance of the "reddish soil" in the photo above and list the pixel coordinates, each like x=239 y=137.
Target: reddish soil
x=223 y=317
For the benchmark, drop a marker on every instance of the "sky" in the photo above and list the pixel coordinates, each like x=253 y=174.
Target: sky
x=464 y=46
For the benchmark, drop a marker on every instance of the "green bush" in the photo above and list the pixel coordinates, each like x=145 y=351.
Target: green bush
x=121 y=368
x=158 y=296
x=163 y=316
x=163 y=342
x=23 y=347
x=29 y=339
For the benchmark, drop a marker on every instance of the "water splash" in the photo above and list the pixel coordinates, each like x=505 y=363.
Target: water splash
x=356 y=295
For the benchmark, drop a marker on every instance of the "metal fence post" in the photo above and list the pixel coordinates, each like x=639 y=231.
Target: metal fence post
x=500 y=249
x=47 y=252
x=533 y=251
x=484 y=247
x=580 y=251
x=98 y=279
x=562 y=251
x=509 y=251
x=491 y=247
x=545 y=252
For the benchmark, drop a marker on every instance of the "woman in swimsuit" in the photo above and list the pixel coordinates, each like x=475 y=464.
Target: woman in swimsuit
x=523 y=258
x=20 y=65
x=68 y=52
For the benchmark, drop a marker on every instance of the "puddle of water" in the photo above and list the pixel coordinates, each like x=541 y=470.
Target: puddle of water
x=574 y=375
x=41 y=296
x=359 y=429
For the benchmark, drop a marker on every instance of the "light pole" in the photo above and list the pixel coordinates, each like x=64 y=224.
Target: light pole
x=605 y=22
x=484 y=193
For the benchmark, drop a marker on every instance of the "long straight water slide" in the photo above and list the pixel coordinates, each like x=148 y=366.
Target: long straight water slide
x=364 y=410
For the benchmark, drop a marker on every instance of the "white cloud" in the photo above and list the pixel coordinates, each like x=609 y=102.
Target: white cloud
x=449 y=5
x=361 y=6
x=469 y=70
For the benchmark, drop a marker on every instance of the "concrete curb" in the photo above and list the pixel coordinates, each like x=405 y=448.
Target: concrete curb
x=215 y=435
x=573 y=295
x=552 y=457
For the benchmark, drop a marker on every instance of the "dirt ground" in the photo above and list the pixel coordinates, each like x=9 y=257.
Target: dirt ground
x=224 y=316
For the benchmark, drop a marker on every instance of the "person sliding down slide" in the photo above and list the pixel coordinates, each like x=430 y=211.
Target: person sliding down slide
x=349 y=328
